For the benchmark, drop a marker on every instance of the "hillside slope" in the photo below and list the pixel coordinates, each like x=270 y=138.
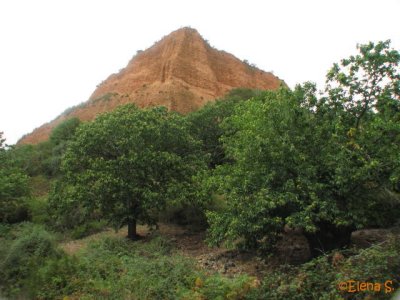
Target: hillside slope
x=181 y=72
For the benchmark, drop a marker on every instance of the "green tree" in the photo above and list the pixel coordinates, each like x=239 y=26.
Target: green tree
x=64 y=131
x=14 y=189
x=2 y=142
x=205 y=123
x=271 y=145
x=55 y=147
x=45 y=158
x=326 y=165
x=127 y=164
x=365 y=91
x=367 y=82
x=27 y=158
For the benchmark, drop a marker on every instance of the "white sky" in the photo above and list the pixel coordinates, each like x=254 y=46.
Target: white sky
x=53 y=53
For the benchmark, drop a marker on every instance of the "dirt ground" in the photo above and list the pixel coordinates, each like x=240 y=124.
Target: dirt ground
x=190 y=244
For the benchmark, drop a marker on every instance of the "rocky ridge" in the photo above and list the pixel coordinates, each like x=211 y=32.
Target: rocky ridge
x=181 y=72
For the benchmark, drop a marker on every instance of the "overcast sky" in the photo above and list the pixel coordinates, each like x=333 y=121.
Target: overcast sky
x=53 y=53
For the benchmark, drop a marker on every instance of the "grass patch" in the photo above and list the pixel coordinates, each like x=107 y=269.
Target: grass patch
x=32 y=265
x=109 y=268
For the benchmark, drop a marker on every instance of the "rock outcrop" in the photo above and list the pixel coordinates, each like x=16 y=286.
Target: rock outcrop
x=181 y=71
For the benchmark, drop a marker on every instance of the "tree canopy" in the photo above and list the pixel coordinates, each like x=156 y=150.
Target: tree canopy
x=128 y=163
x=326 y=165
x=205 y=123
x=14 y=189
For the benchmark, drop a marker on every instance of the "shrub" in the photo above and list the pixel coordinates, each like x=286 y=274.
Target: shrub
x=38 y=210
x=116 y=268
x=376 y=264
x=319 y=278
x=30 y=248
x=219 y=287
x=185 y=214
x=14 y=192
x=57 y=277
x=88 y=228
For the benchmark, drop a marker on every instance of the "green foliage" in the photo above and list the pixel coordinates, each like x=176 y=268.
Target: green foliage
x=35 y=160
x=27 y=158
x=259 y=185
x=13 y=195
x=40 y=185
x=57 y=144
x=31 y=246
x=320 y=278
x=64 y=131
x=186 y=214
x=364 y=91
x=115 y=268
x=45 y=158
x=136 y=271
x=4 y=230
x=367 y=81
x=220 y=287
x=240 y=94
x=56 y=277
x=2 y=142
x=47 y=164
x=14 y=189
x=205 y=123
x=67 y=215
x=127 y=164
x=378 y=263
x=313 y=280
x=88 y=228
x=325 y=165
x=38 y=210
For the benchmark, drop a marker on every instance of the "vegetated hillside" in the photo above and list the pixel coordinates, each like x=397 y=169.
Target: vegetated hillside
x=181 y=72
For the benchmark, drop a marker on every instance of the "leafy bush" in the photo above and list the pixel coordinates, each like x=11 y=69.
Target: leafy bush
x=38 y=210
x=30 y=248
x=44 y=158
x=116 y=268
x=14 y=189
x=64 y=131
x=4 y=230
x=88 y=228
x=205 y=123
x=57 y=276
x=40 y=185
x=186 y=215
x=327 y=165
x=376 y=264
x=319 y=278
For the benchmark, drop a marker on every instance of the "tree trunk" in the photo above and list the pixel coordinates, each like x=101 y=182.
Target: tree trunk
x=132 y=230
x=329 y=237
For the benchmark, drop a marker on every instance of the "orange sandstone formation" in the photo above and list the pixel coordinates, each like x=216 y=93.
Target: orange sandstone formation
x=181 y=72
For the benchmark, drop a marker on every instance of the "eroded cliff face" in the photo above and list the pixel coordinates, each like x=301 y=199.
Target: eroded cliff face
x=181 y=72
